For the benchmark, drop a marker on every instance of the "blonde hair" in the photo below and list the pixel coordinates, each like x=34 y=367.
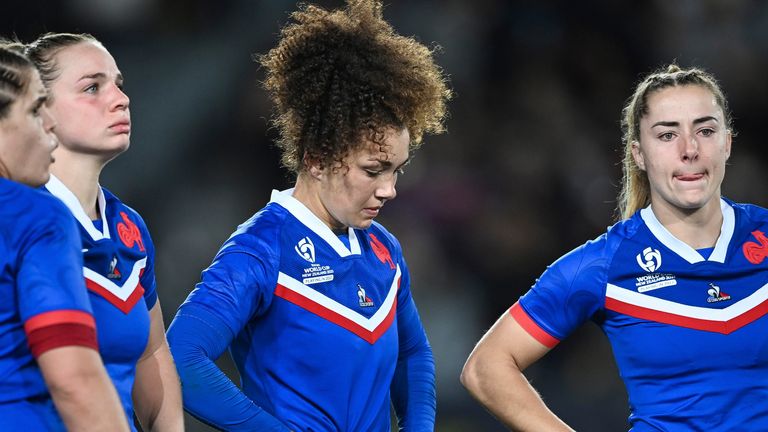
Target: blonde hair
x=635 y=189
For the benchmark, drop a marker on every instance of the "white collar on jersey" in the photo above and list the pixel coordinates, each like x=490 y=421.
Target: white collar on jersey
x=686 y=252
x=59 y=190
x=310 y=220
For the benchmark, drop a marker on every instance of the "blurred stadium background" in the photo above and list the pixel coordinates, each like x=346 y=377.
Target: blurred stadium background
x=528 y=170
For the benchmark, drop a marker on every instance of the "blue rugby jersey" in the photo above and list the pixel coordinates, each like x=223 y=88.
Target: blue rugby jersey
x=688 y=333
x=40 y=285
x=321 y=328
x=118 y=256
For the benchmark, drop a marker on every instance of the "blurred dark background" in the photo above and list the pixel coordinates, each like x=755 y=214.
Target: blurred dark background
x=527 y=171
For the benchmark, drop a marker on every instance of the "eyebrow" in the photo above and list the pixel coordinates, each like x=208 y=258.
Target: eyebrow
x=387 y=163
x=101 y=75
x=675 y=124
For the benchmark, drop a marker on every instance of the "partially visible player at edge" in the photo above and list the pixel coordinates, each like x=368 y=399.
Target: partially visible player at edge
x=94 y=126
x=311 y=296
x=51 y=376
x=678 y=285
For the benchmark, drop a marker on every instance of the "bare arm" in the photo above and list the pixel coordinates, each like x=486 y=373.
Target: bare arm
x=81 y=389
x=493 y=375
x=156 y=391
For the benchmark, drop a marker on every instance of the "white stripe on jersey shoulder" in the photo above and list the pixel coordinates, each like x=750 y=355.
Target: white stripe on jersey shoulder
x=649 y=302
x=307 y=218
x=686 y=252
x=121 y=292
x=60 y=191
x=314 y=296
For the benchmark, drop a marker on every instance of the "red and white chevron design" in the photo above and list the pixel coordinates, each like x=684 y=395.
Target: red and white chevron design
x=369 y=329
x=726 y=320
x=123 y=297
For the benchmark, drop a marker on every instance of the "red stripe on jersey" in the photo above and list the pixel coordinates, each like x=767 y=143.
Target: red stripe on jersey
x=64 y=316
x=369 y=336
x=724 y=327
x=53 y=336
x=533 y=329
x=124 y=305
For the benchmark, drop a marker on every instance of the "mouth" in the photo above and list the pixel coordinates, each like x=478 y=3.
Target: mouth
x=371 y=211
x=689 y=177
x=123 y=126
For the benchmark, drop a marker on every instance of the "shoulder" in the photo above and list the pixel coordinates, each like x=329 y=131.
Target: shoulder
x=118 y=207
x=750 y=212
x=20 y=203
x=598 y=252
x=377 y=235
x=259 y=234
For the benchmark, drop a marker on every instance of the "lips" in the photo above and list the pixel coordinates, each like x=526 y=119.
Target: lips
x=371 y=211
x=123 y=126
x=689 y=177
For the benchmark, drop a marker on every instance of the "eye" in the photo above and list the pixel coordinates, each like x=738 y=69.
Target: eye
x=667 y=136
x=373 y=173
x=707 y=132
x=93 y=88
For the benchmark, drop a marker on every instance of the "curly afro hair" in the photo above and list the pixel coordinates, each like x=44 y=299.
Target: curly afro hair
x=337 y=77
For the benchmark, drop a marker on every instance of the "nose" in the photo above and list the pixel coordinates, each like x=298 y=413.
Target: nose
x=121 y=101
x=49 y=123
x=690 y=151
x=386 y=190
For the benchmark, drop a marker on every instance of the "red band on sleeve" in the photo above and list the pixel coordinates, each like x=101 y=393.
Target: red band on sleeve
x=533 y=329
x=60 y=335
x=66 y=316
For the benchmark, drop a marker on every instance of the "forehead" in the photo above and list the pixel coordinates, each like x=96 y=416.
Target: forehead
x=394 y=148
x=35 y=88
x=85 y=58
x=685 y=101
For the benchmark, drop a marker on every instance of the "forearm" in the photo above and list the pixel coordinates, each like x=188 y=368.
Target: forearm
x=157 y=394
x=499 y=385
x=196 y=339
x=81 y=390
x=413 y=391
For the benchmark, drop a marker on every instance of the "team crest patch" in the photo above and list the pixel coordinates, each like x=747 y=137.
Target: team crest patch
x=129 y=233
x=715 y=295
x=364 y=300
x=754 y=252
x=381 y=251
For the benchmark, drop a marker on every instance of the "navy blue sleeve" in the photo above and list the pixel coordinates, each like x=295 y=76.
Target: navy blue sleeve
x=413 y=386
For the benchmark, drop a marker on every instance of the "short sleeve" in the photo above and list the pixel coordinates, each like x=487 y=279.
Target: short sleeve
x=50 y=277
x=567 y=294
x=147 y=278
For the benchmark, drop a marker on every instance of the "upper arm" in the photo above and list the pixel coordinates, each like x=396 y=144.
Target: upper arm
x=236 y=287
x=508 y=341
x=156 y=331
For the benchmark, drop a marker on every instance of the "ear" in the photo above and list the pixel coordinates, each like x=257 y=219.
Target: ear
x=637 y=155
x=313 y=168
x=728 y=141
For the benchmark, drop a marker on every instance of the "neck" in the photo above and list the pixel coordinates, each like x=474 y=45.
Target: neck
x=80 y=174
x=307 y=191
x=699 y=228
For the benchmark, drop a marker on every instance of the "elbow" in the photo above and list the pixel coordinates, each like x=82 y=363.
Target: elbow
x=470 y=376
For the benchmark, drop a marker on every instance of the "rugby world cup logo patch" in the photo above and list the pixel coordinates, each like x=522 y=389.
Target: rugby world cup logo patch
x=649 y=260
x=306 y=249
